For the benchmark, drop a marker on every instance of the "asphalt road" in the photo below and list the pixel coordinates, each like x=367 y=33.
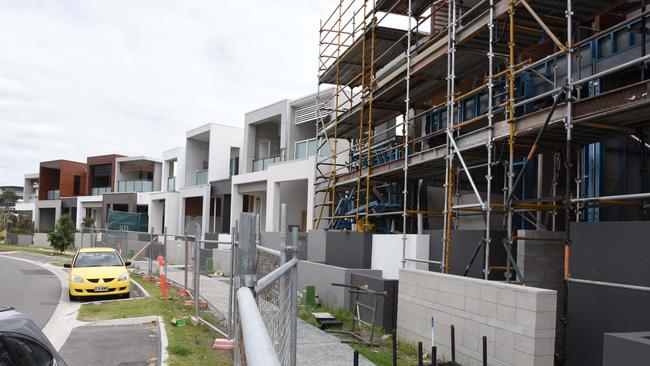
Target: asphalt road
x=30 y=289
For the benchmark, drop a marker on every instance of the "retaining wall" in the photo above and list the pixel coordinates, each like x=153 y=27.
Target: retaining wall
x=519 y=321
x=323 y=275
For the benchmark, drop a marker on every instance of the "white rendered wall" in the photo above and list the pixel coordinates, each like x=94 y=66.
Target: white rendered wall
x=84 y=202
x=222 y=139
x=178 y=154
x=387 y=253
x=295 y=170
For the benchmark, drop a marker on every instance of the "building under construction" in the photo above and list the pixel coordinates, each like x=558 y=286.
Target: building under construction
x=514 y=119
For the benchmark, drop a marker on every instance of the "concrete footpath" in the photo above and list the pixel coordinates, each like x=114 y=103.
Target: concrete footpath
x=315 y=347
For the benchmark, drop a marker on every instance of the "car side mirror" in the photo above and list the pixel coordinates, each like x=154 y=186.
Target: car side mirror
x=127 y=263
x=67 y=265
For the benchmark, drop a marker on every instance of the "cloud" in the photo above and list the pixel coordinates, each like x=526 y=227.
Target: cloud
x=81 y=77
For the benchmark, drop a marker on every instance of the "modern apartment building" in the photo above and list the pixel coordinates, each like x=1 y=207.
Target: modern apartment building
x=60 y=182
x=30 y=195
x=100 y=180
x=211 y=156
x=278 y=162
x=164 y=214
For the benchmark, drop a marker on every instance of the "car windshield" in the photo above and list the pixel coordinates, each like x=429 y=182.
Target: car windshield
x=98 y=259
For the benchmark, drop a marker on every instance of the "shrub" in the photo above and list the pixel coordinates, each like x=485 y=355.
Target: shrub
x=62 y=237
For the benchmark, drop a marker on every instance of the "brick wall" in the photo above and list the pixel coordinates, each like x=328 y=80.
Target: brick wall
x=519 y=321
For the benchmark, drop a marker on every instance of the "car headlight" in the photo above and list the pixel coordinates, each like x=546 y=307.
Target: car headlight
x=77 y=279
x=123 y=277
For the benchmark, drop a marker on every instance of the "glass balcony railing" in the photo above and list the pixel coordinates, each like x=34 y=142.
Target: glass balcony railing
x=202 y=177
x=309 y=147
x=53 y=194
x=98 y=191
x=135 y=186
x=171 y=184
x=262 y=164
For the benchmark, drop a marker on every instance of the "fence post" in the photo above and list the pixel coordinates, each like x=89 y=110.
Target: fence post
x=151 y=251
x=197 y=267
x=232 y=276
x=294 y=298
x=165 y=249
x=187 y=262
x=247 y=249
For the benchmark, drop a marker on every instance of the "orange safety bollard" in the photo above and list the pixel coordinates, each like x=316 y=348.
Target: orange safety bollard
x=163 y=280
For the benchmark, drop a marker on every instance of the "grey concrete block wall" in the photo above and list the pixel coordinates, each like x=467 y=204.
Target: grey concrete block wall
x=322 y=276
x=541 y=262
x=519 y=321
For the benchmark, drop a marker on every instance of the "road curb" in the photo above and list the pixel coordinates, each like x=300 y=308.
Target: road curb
x=64 y=318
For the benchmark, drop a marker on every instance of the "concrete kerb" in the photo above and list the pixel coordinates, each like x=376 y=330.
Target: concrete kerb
x=64 y=318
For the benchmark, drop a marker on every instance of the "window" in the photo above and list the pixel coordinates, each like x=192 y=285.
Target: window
x=16 y=351
x=234 y=166
x=97 y=259
x=77 y=185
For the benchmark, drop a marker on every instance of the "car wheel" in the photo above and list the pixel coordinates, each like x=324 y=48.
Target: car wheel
x=72 y=297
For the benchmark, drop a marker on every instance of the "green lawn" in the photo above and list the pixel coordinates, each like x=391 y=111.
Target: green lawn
x=33 y=249
x=188 y=345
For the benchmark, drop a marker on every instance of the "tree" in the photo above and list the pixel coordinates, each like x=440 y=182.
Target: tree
x=62 y=237
x=88 y=222
x=8 y=200
x=23 y=225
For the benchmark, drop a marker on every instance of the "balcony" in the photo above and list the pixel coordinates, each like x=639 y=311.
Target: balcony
x=171 y=183
x=202 y=177
x=53 y=194
x=98 y=191
x=309 y=147
x=262 y=164
x=135 y=186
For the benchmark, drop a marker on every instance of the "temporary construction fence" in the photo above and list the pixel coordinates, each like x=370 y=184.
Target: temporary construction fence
x=239 y=288
x=266 y=308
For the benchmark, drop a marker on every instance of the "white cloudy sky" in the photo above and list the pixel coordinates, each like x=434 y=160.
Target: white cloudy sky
x=83 y=77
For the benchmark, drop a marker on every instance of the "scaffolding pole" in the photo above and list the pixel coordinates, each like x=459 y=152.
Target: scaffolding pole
x=405 y=129
x=567 y=202
x=451 y=57
x=511 y=121
x=488 y=177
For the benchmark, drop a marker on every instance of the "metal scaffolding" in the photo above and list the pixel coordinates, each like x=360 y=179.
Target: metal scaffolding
x=480 y=91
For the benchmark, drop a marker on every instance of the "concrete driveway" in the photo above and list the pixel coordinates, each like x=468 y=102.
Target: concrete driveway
x=112 y=345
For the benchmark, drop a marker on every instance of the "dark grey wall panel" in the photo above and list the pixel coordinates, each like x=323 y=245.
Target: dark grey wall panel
x=386 y=316
x=612 y=252
x=463 y=244
x=348 y=249
x=632 y=349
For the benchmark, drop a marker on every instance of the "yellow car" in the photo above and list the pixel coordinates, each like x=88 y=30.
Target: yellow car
x=98 y=272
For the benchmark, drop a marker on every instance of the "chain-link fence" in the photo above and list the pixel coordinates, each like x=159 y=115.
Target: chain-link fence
x=266 y=322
